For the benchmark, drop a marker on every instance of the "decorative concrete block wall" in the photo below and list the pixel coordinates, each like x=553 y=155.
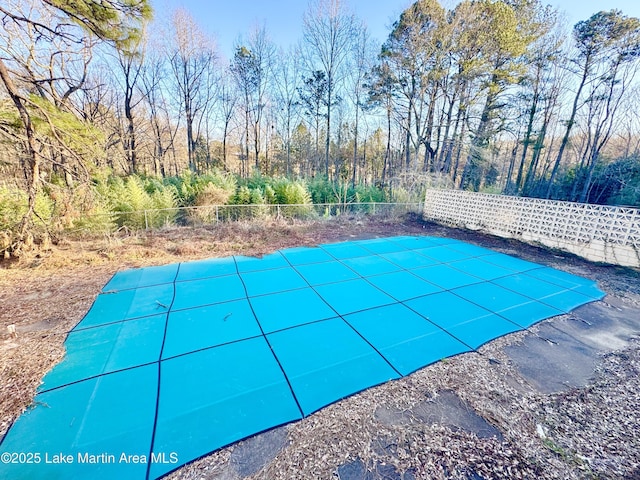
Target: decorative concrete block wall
x=596 y=232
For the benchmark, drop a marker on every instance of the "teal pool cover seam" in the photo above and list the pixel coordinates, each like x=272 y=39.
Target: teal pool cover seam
x=159 y=362
x=373 y=254
x=397 y=301
x=339 y=336
x=337 y=315
x=268 y=343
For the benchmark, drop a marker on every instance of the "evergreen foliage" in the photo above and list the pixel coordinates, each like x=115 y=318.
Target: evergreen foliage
x=138 y=202
x=13 y=207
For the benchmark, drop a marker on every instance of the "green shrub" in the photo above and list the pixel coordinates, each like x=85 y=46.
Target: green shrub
x=13 y=208
x=368 y=193
x=14 y=205
x=270 y=195
x=212 y=194
x=247 y=196
x=163 y=211
x=82 y=209
x=322 y=191
x=242 y=196
x=257 y=181
x=261 y=210
x=139 y=203
x=190 y=188
x=288 y=192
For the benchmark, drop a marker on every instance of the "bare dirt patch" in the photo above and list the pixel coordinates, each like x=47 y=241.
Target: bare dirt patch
x=587 y=432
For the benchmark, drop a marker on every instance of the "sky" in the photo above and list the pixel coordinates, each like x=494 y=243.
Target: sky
x=227 y=20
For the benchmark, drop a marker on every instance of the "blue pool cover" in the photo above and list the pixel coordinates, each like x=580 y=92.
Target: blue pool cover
x=174 y=362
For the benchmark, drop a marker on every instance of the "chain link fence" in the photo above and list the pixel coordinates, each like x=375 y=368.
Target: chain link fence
x=214 y=214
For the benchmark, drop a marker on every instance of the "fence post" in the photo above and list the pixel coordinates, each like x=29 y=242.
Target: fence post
x=146 y=221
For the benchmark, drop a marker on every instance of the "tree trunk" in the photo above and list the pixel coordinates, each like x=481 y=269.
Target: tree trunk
x=448 y=160
x=131 y=137
x=256 y=141
x=529 y=178
x=526 y=142
x=288 y=165
x=462 y=116
x=190 y=142
x=32 y=172
x=570 y=123
x=245 y=161
x=407 y=148
x=443 y=165
x=328 y=140
x=224 y=145
x=387 y=153
x=472 y=168
x=584 y=197
x=430 y=153
x=355 y=149
x=508 y=188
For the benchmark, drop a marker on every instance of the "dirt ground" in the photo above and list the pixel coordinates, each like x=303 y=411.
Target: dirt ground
x=584 y=432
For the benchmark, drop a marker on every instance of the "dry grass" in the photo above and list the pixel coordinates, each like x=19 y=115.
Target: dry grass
x=591 y=431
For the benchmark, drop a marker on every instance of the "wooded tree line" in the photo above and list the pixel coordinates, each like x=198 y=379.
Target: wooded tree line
x=493 y=95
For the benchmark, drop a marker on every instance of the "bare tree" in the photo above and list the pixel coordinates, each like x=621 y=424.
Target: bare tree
x=313 y=94
x=360 y=66
x=97 y=104
x=381 y=94
x=153 y=86
x=245 y=73
x=227 y=100
x=286 y=81
x=327 y=32
x=629 y=140
x=130 y=63
x=53 y=70
x=251 y=69
x=192 y=57
x=539 y=92
x=506 y=31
